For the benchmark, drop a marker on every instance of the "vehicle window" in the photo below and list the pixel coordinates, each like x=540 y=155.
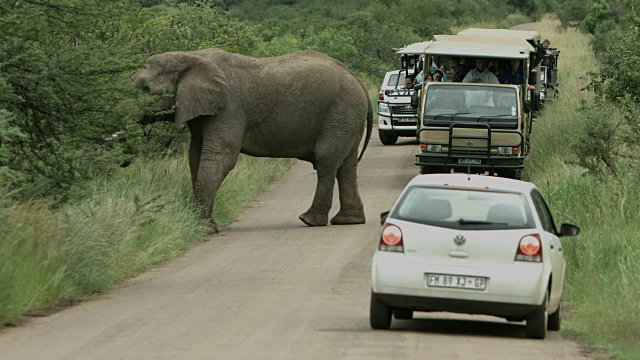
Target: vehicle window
x=472 y=101
x=543 y=212
x=464 y=209
x=396 y=80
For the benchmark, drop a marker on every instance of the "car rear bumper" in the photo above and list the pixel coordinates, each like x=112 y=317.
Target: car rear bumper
x=418 y=303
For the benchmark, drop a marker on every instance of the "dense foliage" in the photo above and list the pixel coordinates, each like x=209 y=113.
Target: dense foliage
x=609 y=143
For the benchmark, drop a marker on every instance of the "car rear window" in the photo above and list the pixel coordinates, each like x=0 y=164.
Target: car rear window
x=396 y=80
x=464 y=208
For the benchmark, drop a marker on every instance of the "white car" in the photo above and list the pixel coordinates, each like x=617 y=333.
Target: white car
x=470 y=244
x=396 y=116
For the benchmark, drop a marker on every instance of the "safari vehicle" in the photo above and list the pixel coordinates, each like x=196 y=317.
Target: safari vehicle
x=549 y=76
x=396 y=116
x=476 y=127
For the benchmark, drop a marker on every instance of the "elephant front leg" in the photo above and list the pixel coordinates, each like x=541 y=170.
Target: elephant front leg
x=211 y=173
x=351 y=208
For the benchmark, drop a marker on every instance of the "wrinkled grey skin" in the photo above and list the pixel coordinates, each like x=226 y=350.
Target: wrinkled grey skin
x=303 y=105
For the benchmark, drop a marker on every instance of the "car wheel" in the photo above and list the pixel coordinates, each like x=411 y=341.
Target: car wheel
x=555 y=319
x=379 y=314
x=537 y=322
x=387 y=139
x=426 y=170
x=403 y=314
x=511 y=174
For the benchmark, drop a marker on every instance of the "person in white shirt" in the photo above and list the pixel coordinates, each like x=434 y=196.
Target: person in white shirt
x=481 y=74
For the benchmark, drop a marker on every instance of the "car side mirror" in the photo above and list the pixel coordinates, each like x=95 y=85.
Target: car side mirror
x=383 y=217
x=569 y=230
x=414 y=101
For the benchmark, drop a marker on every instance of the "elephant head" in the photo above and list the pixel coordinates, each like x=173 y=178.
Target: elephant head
x=186 y=84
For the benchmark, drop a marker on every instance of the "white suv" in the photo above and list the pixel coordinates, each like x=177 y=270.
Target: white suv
x=396 y=116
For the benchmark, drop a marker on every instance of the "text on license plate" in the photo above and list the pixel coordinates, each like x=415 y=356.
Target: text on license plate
x=470 y=161
x=405 y=119
x=456 y=281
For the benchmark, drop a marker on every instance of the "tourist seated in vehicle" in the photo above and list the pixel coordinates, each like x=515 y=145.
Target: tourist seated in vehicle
x=460 y=69
x=408 y=83
x=481 y=74
x=438 y=76
x=514 y=75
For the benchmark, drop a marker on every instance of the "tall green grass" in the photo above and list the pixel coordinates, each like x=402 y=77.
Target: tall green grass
x=603 y=278
x=137 y=219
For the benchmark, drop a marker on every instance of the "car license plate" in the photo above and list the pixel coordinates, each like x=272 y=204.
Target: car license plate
x=406 y=120
x=456 y=281
x=470 y=161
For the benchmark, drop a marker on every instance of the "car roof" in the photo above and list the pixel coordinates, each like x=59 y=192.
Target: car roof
x=398 y=71
x=452 y=48
x=486 y=39
x=414 y=49
x=473 y=181
x=523 y=34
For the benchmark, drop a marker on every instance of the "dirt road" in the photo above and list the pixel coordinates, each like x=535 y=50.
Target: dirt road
x=271 y=288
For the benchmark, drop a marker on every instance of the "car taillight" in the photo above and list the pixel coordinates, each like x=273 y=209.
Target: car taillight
x=530 y=249
x=380 y=95
x=391 y=239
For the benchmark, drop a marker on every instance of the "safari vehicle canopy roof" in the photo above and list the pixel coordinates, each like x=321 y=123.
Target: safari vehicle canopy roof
x=414 y=49
x=489 y=40
x=522 y=34
x=450 y=48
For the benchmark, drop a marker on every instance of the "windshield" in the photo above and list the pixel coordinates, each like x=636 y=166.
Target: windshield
x=473 y=102
x=464 y=209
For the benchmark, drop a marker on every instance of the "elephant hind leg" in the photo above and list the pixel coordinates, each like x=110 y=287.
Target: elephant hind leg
x=351 y=208
x=318 y=213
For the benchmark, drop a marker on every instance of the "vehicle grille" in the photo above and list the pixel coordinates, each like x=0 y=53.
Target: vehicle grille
x=403 y=109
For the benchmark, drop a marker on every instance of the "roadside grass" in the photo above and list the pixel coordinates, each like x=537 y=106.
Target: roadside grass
x=135 y=220
x=603 y=271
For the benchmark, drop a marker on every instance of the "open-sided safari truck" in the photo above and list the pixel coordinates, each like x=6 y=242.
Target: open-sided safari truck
x=549 y=76
x=476 y=127
x=396 y=116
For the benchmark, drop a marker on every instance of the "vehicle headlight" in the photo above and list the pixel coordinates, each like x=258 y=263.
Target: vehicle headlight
x=383 y=107
x=505 y=150
x=434 y=148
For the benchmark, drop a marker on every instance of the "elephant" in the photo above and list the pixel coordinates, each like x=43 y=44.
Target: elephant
x=303 y=105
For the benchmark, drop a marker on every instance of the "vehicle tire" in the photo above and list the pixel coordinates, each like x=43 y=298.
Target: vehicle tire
x=387 y=139
x=555 y=319
x=379 y=314
x=537 y=322
x=511 y=174
x=427 y=170
x=403 y=314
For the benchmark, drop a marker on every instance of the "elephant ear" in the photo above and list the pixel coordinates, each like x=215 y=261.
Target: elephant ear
x=202 y=89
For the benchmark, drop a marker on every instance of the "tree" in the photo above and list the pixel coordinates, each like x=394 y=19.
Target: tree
x=63 y=80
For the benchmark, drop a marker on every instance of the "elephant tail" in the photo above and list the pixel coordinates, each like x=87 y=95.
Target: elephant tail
x=369 y=127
